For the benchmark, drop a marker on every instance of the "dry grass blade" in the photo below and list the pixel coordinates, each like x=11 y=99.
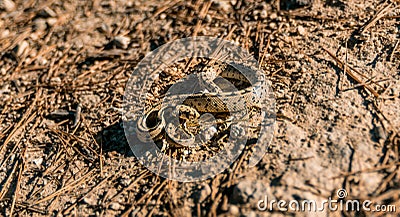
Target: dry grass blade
x=202 y=15
x=18 y=184
x=8 y=181
x=23 y=122
x=31 y=208
x=164 y=8
x=353 y=76
x=69 y=187
x=154 y=190
x=381 y=13
x=138 y=179
x=394 y=50
x=368 y=170
x=100 y=184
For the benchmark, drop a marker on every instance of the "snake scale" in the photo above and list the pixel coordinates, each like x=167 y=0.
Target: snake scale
x=150 y=126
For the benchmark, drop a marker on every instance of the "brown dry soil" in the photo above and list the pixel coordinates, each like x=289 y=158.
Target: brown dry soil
x=333 y=66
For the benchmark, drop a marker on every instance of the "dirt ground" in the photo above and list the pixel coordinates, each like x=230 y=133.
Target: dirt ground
x=333 y=65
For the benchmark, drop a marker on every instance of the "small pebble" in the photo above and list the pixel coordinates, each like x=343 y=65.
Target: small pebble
x=89 y=200
x=223 y=5
x=105 y=28
x=39 y=24
x=301 y=30
x=51 y=21
x=3 y=71
x=273 y=16
x=21 y=48
x=115 y=206
x=42 y=61
x=5 y=33
x=55 y=80
x=122 y=41
x=264 y=14
x=352 y=24
x=163 y=16
x=272 y=25
x=38 y=162
x=233 y=210
x=208 y=18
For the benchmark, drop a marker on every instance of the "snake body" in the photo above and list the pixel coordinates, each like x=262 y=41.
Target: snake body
x=150 y=126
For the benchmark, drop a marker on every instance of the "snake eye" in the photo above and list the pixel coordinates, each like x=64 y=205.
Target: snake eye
x=152 y=120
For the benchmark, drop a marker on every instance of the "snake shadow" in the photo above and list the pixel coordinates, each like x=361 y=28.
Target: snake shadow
x=113 y=139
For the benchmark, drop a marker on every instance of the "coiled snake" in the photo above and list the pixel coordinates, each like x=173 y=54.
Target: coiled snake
x=216 y=99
